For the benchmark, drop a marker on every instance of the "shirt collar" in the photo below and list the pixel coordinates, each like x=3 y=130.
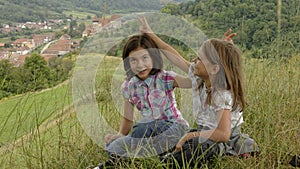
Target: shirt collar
x=147 y=81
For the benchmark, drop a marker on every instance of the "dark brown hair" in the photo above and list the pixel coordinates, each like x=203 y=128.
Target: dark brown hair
x=147 y=43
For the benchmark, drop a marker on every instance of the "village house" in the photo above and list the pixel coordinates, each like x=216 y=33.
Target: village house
x=40 y=39
x=62 y=46
x=7 y=30
x=100 y=23
x=24 y=50
x=20 y=51
x=90 y=30
x=18 y=27
x=4 y=54
x=18 y=60
x=34 y=25
x=22 y=42
x=13 y=56
x=86 y=32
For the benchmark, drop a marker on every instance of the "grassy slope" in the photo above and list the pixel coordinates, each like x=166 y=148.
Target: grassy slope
x=272 y=119
x=22 y=114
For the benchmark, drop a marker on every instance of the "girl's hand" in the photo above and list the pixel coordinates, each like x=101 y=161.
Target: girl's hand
x=110 y=137
x=228 y=36
x=183 y=139
x=144 y=28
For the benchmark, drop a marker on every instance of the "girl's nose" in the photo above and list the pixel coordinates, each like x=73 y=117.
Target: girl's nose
x=140 y=63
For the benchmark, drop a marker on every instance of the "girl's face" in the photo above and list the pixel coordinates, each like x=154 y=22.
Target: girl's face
x=140 y=62
x=202 y=65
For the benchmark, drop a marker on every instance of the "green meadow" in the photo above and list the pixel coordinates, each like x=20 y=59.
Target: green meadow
x=41 y=130
x=78 y=14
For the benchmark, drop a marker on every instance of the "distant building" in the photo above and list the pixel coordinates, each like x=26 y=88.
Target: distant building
x=40 y=39
x=22 y=42
x=62 y=46
x=15 y=58
x=100 y=23
x=24 y=50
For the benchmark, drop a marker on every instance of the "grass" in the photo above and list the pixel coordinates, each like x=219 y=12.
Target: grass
x=78 y=14
x=271 y=118
x=22 y=114
x=5 y=40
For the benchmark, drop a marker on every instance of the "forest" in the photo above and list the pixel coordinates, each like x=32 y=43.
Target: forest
x=266 y=28
x=37 y=10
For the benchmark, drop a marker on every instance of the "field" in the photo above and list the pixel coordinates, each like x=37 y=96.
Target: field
x=77 y=14
x=40 y=130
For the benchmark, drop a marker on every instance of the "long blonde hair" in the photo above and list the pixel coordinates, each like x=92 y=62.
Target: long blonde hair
x=228 y=57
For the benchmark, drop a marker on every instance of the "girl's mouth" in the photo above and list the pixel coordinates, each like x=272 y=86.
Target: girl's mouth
x=141 y=71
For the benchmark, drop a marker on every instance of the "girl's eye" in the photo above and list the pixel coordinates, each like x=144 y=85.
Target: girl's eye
x=132 y=60
x=145 y=57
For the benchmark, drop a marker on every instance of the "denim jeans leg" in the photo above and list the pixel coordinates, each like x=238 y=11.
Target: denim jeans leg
x=119 y=147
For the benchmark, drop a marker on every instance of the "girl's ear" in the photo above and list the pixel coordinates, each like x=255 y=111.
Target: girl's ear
x=215 y=69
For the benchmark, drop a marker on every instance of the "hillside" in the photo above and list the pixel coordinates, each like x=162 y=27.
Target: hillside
x=271 y=118
x=262 y=26
x=36 y=10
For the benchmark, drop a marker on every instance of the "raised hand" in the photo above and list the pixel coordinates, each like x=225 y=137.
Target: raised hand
x=228 y=36
x=144 y=28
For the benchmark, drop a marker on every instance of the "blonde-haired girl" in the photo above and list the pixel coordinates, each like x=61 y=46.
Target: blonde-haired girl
x=218 y=99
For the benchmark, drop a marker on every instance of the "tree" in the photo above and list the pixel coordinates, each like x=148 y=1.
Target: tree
x=6 y=45
x=5 y=77
x=255 y=22
x=60 y=68
x=36 y=73
x=171 y=8
x=13 y=38
x=81 y=27
x=58 y=34
x=10 y=81
x=72 y=28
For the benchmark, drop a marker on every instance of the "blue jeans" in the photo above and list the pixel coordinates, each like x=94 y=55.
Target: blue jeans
x=150 y=129
x=147 y=139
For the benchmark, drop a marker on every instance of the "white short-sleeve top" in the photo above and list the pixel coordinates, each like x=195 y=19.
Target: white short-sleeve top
x=206 y=114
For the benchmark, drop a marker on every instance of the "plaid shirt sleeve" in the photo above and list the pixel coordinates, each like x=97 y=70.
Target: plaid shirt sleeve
x=125 y=89
x=168 y=78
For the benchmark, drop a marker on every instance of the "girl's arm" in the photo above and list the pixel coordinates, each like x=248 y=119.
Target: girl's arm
x=171 y=54
x=126 y=123
x=220 y=134
x=182 y=82
x=127 y=120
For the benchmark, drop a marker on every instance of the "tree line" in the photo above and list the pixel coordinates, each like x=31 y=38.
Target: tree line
x=36 y=74
x=40 y=10
x=266 y=28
